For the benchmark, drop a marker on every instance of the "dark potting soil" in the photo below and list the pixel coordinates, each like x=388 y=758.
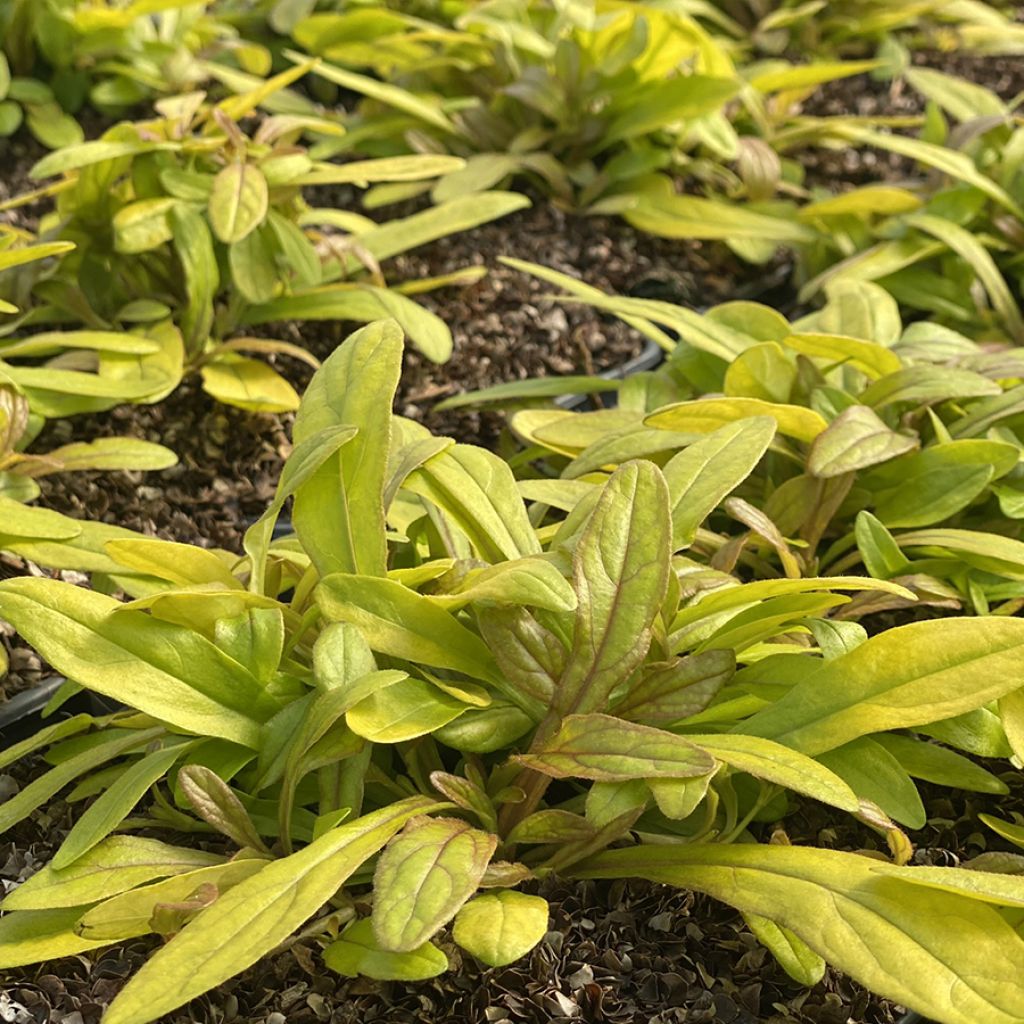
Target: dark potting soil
x=864 y=96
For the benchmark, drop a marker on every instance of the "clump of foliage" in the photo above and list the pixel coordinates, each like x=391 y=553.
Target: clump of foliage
x=111 y=55
x=846 y=439
x=439 y=690
x=600 y=105
x=191 y=232
x=945 y=241
x=858 y=27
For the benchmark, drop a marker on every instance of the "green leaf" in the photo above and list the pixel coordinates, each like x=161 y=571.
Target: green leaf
x=855 y=439
x=980 y=261
x=607 y=749
x=238 y=201
x=620 y=575
x=1009 y=830
x=706 y=472
x=776 y=763
x=113 y=805
x=932 y=485
x=357 y=952
x=707 y=414
x=73 y=158
x=364 y=303
x=870 y=358
x=175 y=674
x=952 y=162
x=477 y=491
x=960 y=98
x=117 y=864
x=253 y=262
x=143 y=225
x=875 y=775
x=797 y=959
x=112 y=453
x=658 y=104
x=500 y=927
x=403 y=709
x=675 y=690
x=129 y=914
x=215 y=802
x=255 y=916
x=37 y=792
x=909 y=675
x=424 y=876
x=339 y=510
x=248 y=384
x=946 y=955
x=35 y=936
x=401 y=623
x=392 y=95
x=932 y=763
x=193 y=245
x=44 y=737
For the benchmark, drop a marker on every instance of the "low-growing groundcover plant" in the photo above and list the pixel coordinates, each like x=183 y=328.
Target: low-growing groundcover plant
x=60 y=56
x=843 y=439
x=600 y=105
x=437 y=692
x=191 y=234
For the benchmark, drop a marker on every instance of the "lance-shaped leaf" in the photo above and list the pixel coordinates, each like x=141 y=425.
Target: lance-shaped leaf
x=194 y=247
x=675 y=690
x=426 y=873
x=704 y=415
x=358 y=952
x=795 y=957
x=256 y=915
x=399 y=622
x=477 y=491
x=551 y=825
x=531 y=581
x=528 y=654
x=117 y=864
x=34 y=936
x=339 y=509
x=855 y=439
x=910 y=675
x=700 y=476
x=607 y=749
x=40 y=789
x=215 y=802
x=950 y=957
x=773 y=762
x=114 y=804
x=500 y=927
x=129 y=914
x=175 y=674
x=620 y=574
x=305 y=460
x=403 y=709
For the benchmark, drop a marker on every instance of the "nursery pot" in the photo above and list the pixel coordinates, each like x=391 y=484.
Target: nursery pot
x=22 y=715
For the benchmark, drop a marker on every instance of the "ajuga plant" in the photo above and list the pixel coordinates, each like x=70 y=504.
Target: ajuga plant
x=439 y=691
x=111 y=55
x=846 y=438
x=192 y=234
x=944 y=241
x=599 y=104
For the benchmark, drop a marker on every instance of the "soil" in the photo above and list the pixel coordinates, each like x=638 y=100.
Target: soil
x=864 y=96
x=617 y=952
